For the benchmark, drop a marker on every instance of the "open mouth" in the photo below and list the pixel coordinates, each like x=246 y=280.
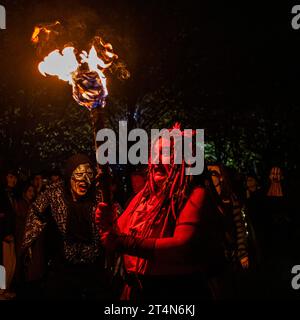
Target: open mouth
x=83 y=186
x=159 y=170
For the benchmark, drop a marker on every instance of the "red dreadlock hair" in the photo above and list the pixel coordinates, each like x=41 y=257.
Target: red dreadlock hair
x=175 y=191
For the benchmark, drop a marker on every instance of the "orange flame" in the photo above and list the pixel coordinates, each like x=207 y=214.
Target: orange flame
x=65 y=64
x=85 y=71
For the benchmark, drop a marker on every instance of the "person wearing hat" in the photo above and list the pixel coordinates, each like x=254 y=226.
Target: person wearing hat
x=77 y=260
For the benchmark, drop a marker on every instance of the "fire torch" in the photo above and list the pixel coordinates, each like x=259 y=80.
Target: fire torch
x=86 y=74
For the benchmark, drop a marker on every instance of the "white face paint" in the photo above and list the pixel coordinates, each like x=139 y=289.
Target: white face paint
x=81 y=180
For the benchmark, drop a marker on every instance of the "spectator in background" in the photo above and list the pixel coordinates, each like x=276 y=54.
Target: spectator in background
x=7 y=212
x=55 y=177
x=252 y=186
x=254 y=201
x=279 y=248
x=235 y=240
x=231 y=210
x=29 y=278
x=276 y=208
x=10 y=186
x=37 y=182
x=138 y=180
x=275 y=183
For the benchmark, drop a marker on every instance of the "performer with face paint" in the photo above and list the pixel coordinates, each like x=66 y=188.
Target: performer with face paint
x=77 y=268
x=168 y=234
x=81 y=180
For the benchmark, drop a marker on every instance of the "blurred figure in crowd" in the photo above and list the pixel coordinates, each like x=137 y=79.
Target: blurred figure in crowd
x=254 y=201
x=10 y=190
x=252 y=186
x=28 y=278
x=236 y=239
x=55 y=176
x=277 y=210
x=8 y=204
x=38 y=183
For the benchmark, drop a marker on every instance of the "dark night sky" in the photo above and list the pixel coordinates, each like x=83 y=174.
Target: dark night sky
x=239 y=50
x=225 y=56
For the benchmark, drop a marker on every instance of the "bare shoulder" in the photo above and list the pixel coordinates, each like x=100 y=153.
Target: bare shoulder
x=192 y=211
x=198 y=194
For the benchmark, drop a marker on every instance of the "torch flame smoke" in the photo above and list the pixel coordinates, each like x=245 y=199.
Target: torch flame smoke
x=47 y=29
x=66 y=67
x=85 y=74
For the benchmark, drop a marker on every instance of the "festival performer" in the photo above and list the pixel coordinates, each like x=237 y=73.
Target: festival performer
x=168 y=234
x=77 y=268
